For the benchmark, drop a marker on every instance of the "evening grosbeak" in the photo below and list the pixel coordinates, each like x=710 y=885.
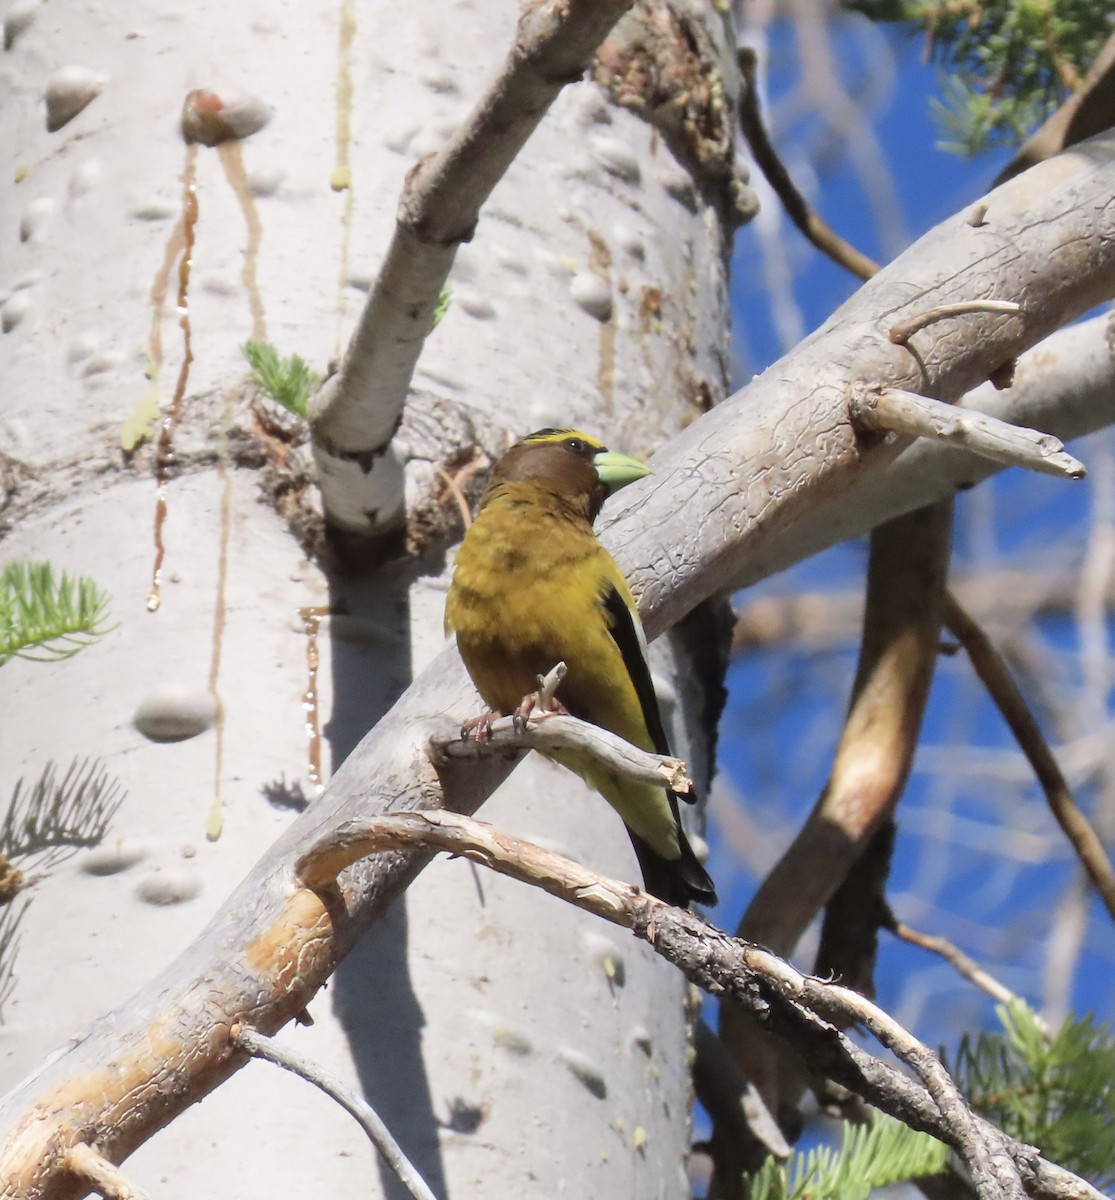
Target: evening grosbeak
x=533 y=587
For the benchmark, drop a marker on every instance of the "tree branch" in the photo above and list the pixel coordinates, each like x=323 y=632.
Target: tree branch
x=995 y=676
x=798 y=1008
x=964 y=965
x=368 y=1119
x=356 y=412
x=94 y=1170
x=560 y=731
x=901 y=333
x=921 y=416
x=812 y=226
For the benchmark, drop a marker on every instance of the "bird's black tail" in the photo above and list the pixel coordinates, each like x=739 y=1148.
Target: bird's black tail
x=677 y=881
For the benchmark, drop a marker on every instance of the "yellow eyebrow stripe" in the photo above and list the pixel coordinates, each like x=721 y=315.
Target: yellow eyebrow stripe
x=545 y=437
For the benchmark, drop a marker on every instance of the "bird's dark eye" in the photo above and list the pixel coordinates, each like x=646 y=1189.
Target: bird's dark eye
x=576 y=445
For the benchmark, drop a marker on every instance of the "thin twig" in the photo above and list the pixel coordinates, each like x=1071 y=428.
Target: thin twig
x=901 y=333
x=458 y=496
x=546 y=731
x=995 y=676
x=935 y=943
x=921 y=416
x=355 y=414
x=368 y=1119
x=817 y=230
x=100 y=1175
x=797 y=1007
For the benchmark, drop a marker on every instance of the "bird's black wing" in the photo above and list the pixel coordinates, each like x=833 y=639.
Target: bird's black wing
x=632 y=646
x=683 y=879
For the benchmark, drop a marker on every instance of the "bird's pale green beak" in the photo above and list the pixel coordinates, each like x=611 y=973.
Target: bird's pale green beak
x=617 y=470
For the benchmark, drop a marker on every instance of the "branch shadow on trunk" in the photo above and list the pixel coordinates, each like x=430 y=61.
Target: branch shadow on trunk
x=373 y=996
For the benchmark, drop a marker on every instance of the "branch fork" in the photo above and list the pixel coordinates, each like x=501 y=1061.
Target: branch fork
x=355 y=415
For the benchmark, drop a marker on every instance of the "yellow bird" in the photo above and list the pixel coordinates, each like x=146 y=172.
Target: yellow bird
x=533 y=587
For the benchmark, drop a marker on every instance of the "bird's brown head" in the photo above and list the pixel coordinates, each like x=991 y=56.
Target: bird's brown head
x=568 y=464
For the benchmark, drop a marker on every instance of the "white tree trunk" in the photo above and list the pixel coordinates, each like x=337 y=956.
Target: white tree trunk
x=513 y=1046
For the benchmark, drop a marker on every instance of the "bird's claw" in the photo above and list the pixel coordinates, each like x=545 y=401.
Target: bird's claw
x=479 y=728
x=521 y=716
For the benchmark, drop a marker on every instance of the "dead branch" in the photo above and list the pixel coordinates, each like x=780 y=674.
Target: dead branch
x=811 y=224
x=860 y=355
x=356 y=412
x=995 y=676
x=901 y=333
x=366 y=1117
x=559 y=731
x=97 y=1173
x=921 y=416
x=935 y=943
x=802 y=1010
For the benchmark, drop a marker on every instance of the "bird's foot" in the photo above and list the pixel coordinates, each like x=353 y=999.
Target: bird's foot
x=479 y=727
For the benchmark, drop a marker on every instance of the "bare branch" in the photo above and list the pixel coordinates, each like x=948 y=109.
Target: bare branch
x=368 y=1119
x=920 y=416
x=101 y=1176
x=814 y=227
x=798 y=403
x=355 y=414
x=548 y=685
x=995 y=676
x=559 y=731
x=1065 y=385
x=901 y=333
x=935 y=943
x=797 y=1007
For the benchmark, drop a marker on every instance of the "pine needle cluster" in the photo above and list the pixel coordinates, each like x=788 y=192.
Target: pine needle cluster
x=1006 y=64
x=44 y=617
x=288 y=381
x=1053 y=1091
x=871 y=1156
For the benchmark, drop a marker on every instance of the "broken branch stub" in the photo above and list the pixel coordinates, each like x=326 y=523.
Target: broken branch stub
x=898 y=411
